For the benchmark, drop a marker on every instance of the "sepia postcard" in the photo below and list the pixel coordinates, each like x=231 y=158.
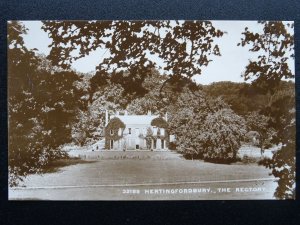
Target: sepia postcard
x=151 y=110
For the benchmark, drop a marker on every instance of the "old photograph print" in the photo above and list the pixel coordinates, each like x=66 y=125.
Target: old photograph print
x=151 y=110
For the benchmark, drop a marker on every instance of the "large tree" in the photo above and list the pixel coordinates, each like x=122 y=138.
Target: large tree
x=41 y=106
x=274 y=47
x=205 y=127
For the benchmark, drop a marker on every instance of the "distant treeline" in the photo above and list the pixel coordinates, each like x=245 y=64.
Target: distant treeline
x=243 y=97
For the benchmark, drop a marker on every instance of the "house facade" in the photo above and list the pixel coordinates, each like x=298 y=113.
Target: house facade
x=136 y=132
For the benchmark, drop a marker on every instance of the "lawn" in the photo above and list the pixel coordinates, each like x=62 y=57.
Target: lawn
x=108 y=179
x=56 y=165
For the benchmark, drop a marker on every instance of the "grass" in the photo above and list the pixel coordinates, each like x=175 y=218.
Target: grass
x=131 y=171
x=127 y=168
x=56 y=165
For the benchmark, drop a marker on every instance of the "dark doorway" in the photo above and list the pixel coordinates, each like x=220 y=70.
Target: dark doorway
x=111 y=144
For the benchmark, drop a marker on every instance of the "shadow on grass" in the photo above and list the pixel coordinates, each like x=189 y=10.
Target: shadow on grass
x=56 y=165
x=245 y=160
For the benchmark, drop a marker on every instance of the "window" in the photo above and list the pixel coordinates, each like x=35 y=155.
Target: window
x=111 y=132
x=154 y=131
x=111 y=144
x=129 y=130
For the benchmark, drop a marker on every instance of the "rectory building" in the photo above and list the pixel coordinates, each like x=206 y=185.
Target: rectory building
x=136 y=132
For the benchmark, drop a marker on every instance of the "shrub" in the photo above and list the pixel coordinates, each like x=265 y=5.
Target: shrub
x=172 y=146
x=222 y=135
x=149 y=137
x=159 y=122
x=248 y=159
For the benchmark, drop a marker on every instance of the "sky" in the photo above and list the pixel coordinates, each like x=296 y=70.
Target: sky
x=227 y=67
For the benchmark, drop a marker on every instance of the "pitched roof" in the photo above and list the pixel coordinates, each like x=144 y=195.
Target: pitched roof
x=136 y=119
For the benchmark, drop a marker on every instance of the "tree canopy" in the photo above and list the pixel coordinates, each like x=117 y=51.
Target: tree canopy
x=205 y=127
x=184 y=47
x=41 y=107
x=274 y=46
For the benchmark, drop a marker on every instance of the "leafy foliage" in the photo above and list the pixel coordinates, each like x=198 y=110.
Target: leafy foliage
x=260 y=123
x=159 y=122
x=112 y=131
x=241 y=97
x=91 y=121
x=221 y=136
x=188 y=112
x=183 y=46
x=149 y=138
x=282 y=111
x=41 y=108
x=153 y=100
x=274 y=46
x=283 y=167
x=205 y=128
